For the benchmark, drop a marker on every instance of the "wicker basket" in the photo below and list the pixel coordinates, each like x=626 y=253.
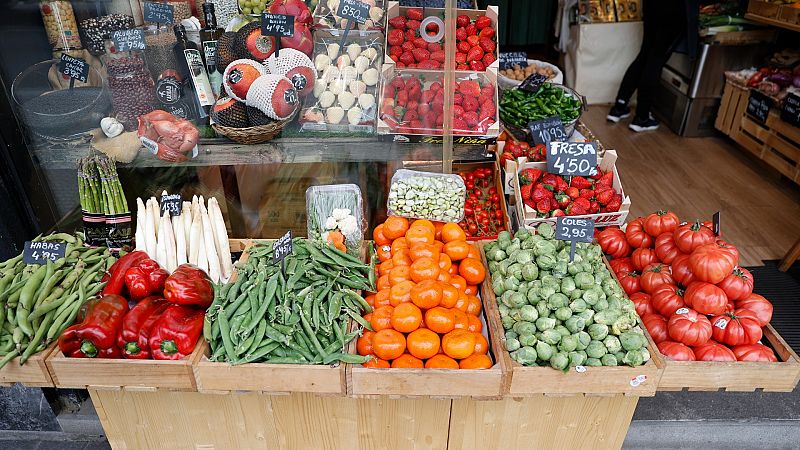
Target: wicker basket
x=252 y=135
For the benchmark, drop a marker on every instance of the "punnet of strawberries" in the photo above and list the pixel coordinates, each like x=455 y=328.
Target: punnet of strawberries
x=414 y=103
x=475 y=42
x=695 y=300
x=552 y=195
x=483 y=213
x=514 y=149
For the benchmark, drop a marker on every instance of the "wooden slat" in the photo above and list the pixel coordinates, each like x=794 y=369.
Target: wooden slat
x=33 y=373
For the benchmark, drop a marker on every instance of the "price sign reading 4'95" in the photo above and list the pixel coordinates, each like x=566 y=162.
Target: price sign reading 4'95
x=282 y=247
x=41 y=252
x=574 y=230
x=75 y=68
x=572 y=158
x=354 y=10
x=547 y=130
x=278 y=25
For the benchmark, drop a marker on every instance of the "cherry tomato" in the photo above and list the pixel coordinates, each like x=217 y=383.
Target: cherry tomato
x=473 y=228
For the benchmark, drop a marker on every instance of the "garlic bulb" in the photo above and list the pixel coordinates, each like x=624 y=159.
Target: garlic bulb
x=322 y=61
x=326 y=99
x=111 y=127
x=334 y=115
x=354 y=115
x=346 y=100
x=361 y=64
x=358 y=87
x=366 y=101
x=353 y=50
x=319 y=87
x=370 y=76
x=333 y=50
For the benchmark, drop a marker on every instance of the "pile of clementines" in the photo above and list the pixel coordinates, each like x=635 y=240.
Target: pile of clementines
x=426 y=308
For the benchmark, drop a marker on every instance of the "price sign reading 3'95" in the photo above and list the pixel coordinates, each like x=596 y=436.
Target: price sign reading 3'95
x=75 y=68
x=354 y=10
x=574 y=230
x=572 y=158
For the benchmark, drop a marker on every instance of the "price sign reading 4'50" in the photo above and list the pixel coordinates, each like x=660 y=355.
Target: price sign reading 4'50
x=574 y=230
x=41 y=252
x=157 y=12
x=278 y=25
x=353 y=10
x=547 y=130
x=572 y=158
x=75 y=68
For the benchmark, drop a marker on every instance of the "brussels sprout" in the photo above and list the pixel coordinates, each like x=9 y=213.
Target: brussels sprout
x=517 y=300
x=612 y=344
x=546 y=261
x=596 y=349
x=511 y=334
x=505 y=299
x=512 y=344
x=503 y=244
x=583 y=340
x=526 y=356
x=592 y=362
x=530 y=272
x=557 y=300
x=587 y=316
x=504 y=236
x=568 y=343
x=614 y=303
x=627 y=305
x=544 y=311
x=544 y=350
x=546 y=230
x=502 y=267
x=507 y=322
x=545 y=323
x=498 y=284
x=551 y=337
x=619 y=355
x=599 y=277
x=578 y=305
x=574 y=267
x=610 y=286
x=560 y=269
x=645 y=354
x=576 y=294
x=514 y=246
x=528 y=340
x=549 y=280
x=577 y=358
x=598 y=331
x=522 y=234
x=633 y=358
x=504 y=310
x=574 y=324
x=524 y=328
x=609 y=360
x=632 y=340
x=533 y=295
x=600 y=305
x=624 y=323
x=560 y=361
x=515 y=271
x=584 y=280
x=511 y=284
x=524 y=257
x=562 y=329
x=607 y=317
x=528 y=313
x=563 y=313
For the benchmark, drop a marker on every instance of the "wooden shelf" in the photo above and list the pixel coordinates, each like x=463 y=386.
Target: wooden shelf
x=773 y=22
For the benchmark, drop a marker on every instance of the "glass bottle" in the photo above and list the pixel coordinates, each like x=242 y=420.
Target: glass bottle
x=209 y=36
x=192 y=68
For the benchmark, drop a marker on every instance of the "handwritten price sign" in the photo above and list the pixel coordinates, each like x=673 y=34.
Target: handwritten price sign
x=75 y=68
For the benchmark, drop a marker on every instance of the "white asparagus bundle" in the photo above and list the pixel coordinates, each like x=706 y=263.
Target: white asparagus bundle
x=161 y=246
x=202 y=258
x=214 y=270
x=195 y=237
x=221 y=238
x=180 y=240
x=140 y=236
x=169 y=243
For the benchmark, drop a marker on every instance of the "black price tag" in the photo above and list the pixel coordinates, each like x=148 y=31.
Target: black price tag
x=126 y=40
x=790 y=112
x=171 y=204
x=353 y=10
x=75 y=68
x=574 y=230
x=282 y=248
x=41 y=252
x=278 y=25
x=157 y=12
x=533 y=83
x=547 y=130
x=715 y=220
x=572 y=158
x=509 y=59
x=758 y=105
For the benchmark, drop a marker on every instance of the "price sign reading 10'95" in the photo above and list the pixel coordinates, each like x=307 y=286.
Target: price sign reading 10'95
x=547 y=130
x=574 y=230
x=572 y=158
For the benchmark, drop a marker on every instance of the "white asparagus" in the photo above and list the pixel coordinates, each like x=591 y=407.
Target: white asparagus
x=161 y=250
x=152 y=204
x=151 y=242
x=186 y=218
x=180 y=240
x=141 y=213
x=195 y=238
x=221 y=236
x=169 y=235
x=202 y=258
x=209 y=246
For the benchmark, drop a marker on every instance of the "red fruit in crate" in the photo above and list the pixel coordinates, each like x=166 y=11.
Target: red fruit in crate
x=755 y=353
x=397 y=22
x=660 y=222
x=666 y=250
x=487 y=44
x=642 y=303
x=711 y=263
x=471 y=117
x=667 y=299
x=439 y=56
x=604 y=195
x=615 y=204
x=301 y=40
x=612 y=242
x=487 y=32
x=413 y=26
x=472 y=30
x=712 y=351
x=629 y=281
x=642 y=257
x=733 y=328
x=420 y=54
x=475 y=53
x=407 y=58
x=395 y=50
x=395 y=37
x=656 y=326
x=543 y=206
x=676 y=351
x=462 y=67
x=470 y=104
x=414 y=13
x=408 y=46
x=759 y=306
x=588 y=194
x=461 y=34
x=473 y=41
x=434 y=47
x=459 y=124
x=692 y=235
x=483 y=22
x=429 y=65
x=706 y=298
x=488 y=59
x=636 y=235
x=411 y=35
x=296 y=8
x=738 y=285
x=654 y=275
x=421 y=43
x=689 y=328
x=463 y=20
x=606 y=179
x=525 y=191
x=463 y=47
x=558 y=213
x=476 y=66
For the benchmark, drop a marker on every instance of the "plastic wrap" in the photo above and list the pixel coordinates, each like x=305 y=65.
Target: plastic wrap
x=344 y=99
x=336 y=212
x=427 y=195
x=325 y=16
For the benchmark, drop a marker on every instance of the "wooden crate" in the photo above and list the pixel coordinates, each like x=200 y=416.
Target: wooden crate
x=731 y=109
x=33 y=373
x=536 y=381
x=744 y=376
x=789 y=14
x=763 y=9
x=777 y=143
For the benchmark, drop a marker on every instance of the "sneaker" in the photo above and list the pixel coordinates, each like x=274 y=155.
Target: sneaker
x=648 y=123
x=619 y=111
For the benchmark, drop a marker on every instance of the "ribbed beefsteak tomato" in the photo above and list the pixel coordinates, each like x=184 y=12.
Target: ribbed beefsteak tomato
x=688 y=327
x=667 y=299
x=635 y=234
x=713 y=351
x=692 y=235
x=712 y=263
x=705 y=298
x=736 y=328
x=676 y=351
x=630 y=282
x=619 y=265
x=613 y=243
x=754 y=352
x=666 y=250
x=681 y=270
x=656 y=326
x=654 y=275
x=738 y=285
x=661 y=222
x=643 y=257
x=760 y=306
x=642 y=303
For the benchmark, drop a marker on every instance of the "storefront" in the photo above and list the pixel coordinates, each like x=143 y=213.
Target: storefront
x=347 y=224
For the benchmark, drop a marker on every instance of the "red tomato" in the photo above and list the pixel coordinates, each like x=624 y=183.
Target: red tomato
x=692 y=235
x=613 y=243
x=713 y=351
x=656 y=326
x=661 y=222
x=643 y=257
x=754 y=352
x=666 y=250
x=705 y=298
x=711 y=263
x=636 y=236
x=667 y=299
x=621 y=265
x=760 y=306
x=676 y=351
x=730 y=248
x=630 y=282
x=642 y=303
x=688 y=327
x=654 y=275
x=734 y=329
x=682 y=271
x=738 y=285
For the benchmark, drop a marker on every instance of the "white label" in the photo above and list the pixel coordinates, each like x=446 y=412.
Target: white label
x=721 y=323
x=682 y=311
x=637 y=381
x=149 y=144
x=580 y=369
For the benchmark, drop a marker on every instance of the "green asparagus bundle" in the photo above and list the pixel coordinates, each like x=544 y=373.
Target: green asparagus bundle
x=99 y=187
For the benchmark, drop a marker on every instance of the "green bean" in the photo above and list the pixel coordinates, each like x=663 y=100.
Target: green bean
x=361 y=321
x=9 y=356
x=225 y=332
x=37 y=338
x=32 y=285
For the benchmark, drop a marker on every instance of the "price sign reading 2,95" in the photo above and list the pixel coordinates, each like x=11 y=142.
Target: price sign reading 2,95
x=572 y=158
x=574 y=230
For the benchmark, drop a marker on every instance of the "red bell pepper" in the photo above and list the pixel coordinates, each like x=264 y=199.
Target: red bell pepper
x=175 y=333
x=96 y=335
x=135 y=331
x=116 y=283
x=144 y=279
x=189 y=286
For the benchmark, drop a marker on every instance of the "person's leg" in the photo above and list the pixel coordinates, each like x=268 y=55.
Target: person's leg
x=630 y=81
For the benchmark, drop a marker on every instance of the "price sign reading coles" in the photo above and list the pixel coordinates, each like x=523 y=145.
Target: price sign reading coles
x=547 y=130
x=572 y=158
x=75 y=68
x=41 y=252
x=353 y=10
x=157 y=12
x=278 y=25
x=171 y=204
x=574 y=230
x=126 y=40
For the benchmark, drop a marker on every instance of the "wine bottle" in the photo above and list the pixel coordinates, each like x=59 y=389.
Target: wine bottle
x=196 y=70
x=209 y=36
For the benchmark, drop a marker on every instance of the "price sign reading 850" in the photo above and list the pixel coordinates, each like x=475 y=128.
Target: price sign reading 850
x=572 y=158
x=354 y=10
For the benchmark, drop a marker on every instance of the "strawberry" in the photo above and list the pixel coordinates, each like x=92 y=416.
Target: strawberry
x=412 y=104
x=516 y=152
x=607 y=179
x=572 y=192
x=458 y=99
x=470 y=88
x=461 y=34
x=395 y=50
x=550 y=179
x=415 y=92
x=421 y=43
x=597 y=174
x=459 y=124
x=482 y=22
x=476 y=66
x=411 y=114
x=540 y=193
x=413 y=25
x=462 y=67
x=561 y=185
x=487 y=32
x=402 y=98
x=463 y=47
x=411 y=35
x=563 y=200
x=429 y=64
x=582 y=202
x=486 y=44
x=415 y=13
x=395 y=37
x=604 y=195
x=420 y=54
x=588 y=194
x=530 y=203
x=580 y=182
x=407 y=58
x=553 y=203
x=412 y=66
x=423 y=109
x=543 y=206
x=408 y=46
x=415 y=124
x=475 y=53
x=471 y=117
x=576 y=210
x=434 y=47
x=488 y=59
x=472 y=30
x=463 y=20
x=557 y=212
x=436 y=86
x=461 y=58
x=526 y=189
x=614 y=204
x=594 y=207
x=397 y=22
x=473 y=41
x=532 y=175
x=470 y=104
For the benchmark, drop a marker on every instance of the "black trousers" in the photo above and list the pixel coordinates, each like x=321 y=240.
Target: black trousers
x=664 y=26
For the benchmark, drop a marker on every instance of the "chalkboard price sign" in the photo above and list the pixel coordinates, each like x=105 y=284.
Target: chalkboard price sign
x=353 y=10
x=758 y=105
x=574 y=230
x=509 y=59
x=157 y=12
x=75 y=68
x=790 y=112
x=41 y=252
x=533 y=83
x=572 y=158
x=127 y=40
x=171 y=204
x=547 y=130
x=282 y=248
x=278 y=25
